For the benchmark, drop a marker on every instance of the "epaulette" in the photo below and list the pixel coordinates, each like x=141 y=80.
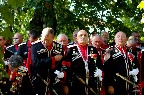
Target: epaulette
x=69 y=46
x=9 y=46
x=35 y=42
x=22 y=43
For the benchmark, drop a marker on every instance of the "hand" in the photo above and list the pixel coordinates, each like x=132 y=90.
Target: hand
x=98 y=73
x=135 y=78
x=110 y=89
x=58 y=57
x=65 y=90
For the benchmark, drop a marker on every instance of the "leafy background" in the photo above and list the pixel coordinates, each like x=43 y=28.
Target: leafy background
x=64 y=16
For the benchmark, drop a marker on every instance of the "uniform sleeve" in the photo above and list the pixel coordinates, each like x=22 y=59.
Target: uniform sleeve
x=20 y=51
x=7 y=54
x=98 y=60
x=109 y=72
x=68 y=63
x=40 y=62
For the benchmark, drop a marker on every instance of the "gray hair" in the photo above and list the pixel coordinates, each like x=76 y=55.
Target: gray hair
x=104 y=32
x=47 y=30
x=15 y=61
x=132 y=40
x=61 y=35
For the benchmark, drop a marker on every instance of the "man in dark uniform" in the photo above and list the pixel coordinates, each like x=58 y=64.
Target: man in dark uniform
x=118 y=63
x=63 y=39
x=18 y=39
x=84 y=60
x=136 y=51
x=137 y=36
x=24 y=51
x=97 y=42
x=11 y=50
x=46 y=57
x=105 y=36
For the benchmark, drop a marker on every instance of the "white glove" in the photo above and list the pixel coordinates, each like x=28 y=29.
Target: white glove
x=98 y=73
x=135 y=78
x=59 y=74
x=134 y=72
x=100 y=78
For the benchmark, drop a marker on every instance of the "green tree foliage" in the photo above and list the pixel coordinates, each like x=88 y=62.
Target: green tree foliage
x=64 y=16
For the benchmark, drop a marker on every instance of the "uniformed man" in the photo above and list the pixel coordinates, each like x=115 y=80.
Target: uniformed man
x=82 y=60
x=136 y=51
x=11 y=50
x=137 y=36
x=97 y=42
x=46 y=57
x=17 y=39
x=117 y=67
x=105 y=36
x=63 y=39
x=24 y=51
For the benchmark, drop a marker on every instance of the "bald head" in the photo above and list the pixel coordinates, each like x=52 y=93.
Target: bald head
x=120 y=38
x=18 y=38
x=97 y=41
x=82 y=37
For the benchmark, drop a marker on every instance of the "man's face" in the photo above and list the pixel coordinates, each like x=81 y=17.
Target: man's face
x=105 y=35
x=48 y=38
x=82 y=37
x=2 y=41
x=63 y=40
x=74 y=37
x=137 y=36
x=96 y=42
x=120 y=38
x=105 y=41
x=17 y=39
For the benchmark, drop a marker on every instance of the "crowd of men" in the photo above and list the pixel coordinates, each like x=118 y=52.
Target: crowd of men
x=86 y=66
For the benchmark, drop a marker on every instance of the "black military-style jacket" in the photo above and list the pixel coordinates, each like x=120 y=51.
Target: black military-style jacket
x=10 y=50
x=78 y=65
x=23 y=50
x=118 y=63
x=42 y=57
